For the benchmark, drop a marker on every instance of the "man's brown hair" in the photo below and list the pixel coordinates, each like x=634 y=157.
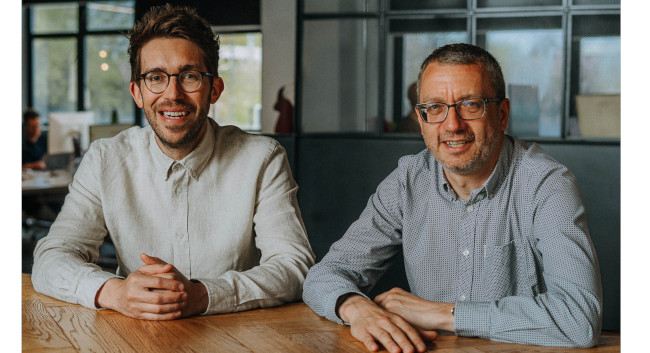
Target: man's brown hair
x=169 y=21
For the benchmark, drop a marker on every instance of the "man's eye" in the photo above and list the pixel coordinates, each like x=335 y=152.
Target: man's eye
x=191 y=76
x=155 y=77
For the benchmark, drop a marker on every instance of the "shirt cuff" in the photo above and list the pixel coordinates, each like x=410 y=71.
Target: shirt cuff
x=221 y=296
x=90 y=285
x=333 y=301
x=472 y=319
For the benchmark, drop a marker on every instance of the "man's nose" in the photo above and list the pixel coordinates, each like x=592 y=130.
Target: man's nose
x=174 y=89
x=453 y=121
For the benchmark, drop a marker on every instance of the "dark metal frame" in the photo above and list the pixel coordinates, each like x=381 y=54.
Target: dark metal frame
x=80 y=35
x=567 y=11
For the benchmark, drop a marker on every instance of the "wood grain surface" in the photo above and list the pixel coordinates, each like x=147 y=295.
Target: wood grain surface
x=50 y=325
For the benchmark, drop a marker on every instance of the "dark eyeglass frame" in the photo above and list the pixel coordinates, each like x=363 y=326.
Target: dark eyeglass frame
x=178 y=75
x=420 y=106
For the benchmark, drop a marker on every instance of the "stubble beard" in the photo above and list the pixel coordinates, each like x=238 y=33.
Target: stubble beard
x=193 y=130
x=477 y=161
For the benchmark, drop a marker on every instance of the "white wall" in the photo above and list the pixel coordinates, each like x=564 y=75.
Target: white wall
x=278 y=55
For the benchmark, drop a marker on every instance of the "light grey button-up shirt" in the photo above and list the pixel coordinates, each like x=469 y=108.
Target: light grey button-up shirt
x=516 y=258
x=225 y=215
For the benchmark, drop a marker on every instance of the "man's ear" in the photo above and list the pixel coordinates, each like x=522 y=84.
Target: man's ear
x=217 y=89
x=504 y=113
x=134 y=88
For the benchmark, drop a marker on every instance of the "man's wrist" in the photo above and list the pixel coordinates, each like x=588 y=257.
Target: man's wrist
x=103 y=296
x=346 y=302
x=198 y=294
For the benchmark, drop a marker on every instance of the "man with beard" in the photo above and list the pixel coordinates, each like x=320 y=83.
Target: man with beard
x=204 y=218
x=492 y=229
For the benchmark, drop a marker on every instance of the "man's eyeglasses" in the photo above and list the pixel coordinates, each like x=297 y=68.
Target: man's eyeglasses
x=190 y=80
x=467 y=109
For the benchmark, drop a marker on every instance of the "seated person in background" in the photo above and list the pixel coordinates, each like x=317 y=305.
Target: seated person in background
x=204 y=218
x=493 y=230
x=34 y=141
x=409 y=123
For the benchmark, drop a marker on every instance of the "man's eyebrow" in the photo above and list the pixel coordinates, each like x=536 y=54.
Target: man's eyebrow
x=442 y=100
x=190 y=67
x=181 y=69
x=432 y=99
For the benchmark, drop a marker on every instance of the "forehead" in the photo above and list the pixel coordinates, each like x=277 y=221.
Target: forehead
x=171 y=54
x=454 y=81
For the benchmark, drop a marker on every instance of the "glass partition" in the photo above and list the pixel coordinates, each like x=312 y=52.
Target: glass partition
x=410 y=41
x=530 y=51
x=319 y=6
x=339 y=73
x=595 y=76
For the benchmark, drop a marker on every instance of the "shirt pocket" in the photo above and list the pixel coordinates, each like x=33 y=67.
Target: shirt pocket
x=505 y=271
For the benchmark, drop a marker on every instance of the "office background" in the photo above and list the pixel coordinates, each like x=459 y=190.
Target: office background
x=345 y=66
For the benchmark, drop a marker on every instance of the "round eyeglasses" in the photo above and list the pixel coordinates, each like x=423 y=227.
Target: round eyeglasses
x=158 y=80
x=467 y=109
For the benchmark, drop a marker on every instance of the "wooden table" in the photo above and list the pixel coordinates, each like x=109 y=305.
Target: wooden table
x=53 y=325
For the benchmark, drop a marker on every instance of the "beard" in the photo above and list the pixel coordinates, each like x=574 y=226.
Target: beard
x=486 y=149
x=192 y=128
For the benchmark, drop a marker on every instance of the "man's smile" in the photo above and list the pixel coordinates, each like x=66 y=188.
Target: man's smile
x=174 y=115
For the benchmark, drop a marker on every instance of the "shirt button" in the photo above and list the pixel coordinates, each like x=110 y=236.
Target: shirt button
x=180 y=235
x=466 y=252
x=462 y=298
x=470 y=208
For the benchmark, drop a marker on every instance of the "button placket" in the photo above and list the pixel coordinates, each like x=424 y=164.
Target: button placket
x=179 y=219
x=465 y=248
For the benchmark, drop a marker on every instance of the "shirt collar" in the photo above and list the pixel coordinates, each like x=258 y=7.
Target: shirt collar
x=194 y=162
x=501 y=169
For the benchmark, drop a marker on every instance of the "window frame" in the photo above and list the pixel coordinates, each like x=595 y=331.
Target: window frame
x=80 y=36
x=567 y=11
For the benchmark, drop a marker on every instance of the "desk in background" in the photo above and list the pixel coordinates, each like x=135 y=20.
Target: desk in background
x=50 y=324
x=45 y=181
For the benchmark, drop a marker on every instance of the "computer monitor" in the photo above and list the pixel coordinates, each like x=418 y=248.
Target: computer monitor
x=68 y=130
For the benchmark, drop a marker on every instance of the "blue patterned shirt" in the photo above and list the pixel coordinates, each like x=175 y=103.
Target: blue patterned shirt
x=516 y=257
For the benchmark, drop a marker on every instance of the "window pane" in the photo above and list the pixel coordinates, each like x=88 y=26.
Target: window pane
x=596 y=2
x=55 y=18
x=339 y=74
x=600 y=62
x=518 y=3
x=110 y=15
x=54 y=76
x=532 y=63
x=108 y=74
x=596 y=76
x=427 y=4
x=410 y=42
x=240 y=67
x=312 y=6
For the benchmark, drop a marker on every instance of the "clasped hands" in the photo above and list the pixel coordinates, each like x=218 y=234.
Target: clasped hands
x=156 y=291
x=397 y=319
